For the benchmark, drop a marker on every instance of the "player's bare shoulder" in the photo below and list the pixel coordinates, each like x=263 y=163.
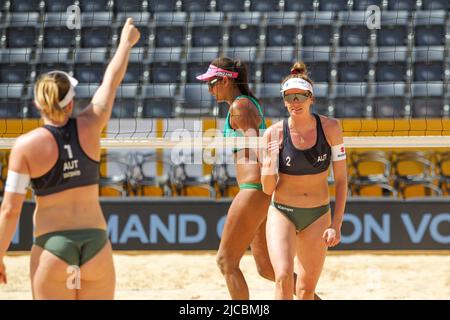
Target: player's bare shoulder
x=275 y=130
x=331 y=126
x=33 y=142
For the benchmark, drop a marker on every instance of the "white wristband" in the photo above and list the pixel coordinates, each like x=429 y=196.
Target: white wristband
x=17 y=182
x=338 y=152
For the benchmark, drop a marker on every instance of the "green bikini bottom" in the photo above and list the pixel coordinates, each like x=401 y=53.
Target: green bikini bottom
x=75 y=247
x=255 y=186
x=301 y=217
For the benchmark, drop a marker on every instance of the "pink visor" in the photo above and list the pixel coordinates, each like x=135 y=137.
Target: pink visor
x=214 y=72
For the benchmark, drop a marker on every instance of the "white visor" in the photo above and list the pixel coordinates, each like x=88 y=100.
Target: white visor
x=296 y=83
x=71 y=93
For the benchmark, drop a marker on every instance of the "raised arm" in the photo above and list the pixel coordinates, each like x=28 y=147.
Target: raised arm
x=15 y=191
x=99 y=111
x=269 y=169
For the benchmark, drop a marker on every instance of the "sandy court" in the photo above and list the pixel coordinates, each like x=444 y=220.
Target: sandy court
x=174 y=276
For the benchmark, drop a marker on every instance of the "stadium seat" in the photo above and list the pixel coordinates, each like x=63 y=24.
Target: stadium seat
x=352 y=65
x=162 y=6
x=195 y=100
x=277 y=63
x=198 y=60
x=244 y=28
x=428 y=63
x=271 y=101
x=362 y=5
x=196 y=5
x=321 y=99
x=396 y=5
x=94 y=5
x=14 y=65
x=350 y=100
x=23 y=30
x=146 y=174
x=207 y=30
x=246 y=55
x=282 y=29
x=158 y=100
x=165 y=65
x=391 y=64
x=395 y=28
x=25 y=5
x=317 y=59
x=96 y=29
x=90 y=65
x=56 y=33
x=371 y=169
x=429 y=28
x=299 y=6
x=53 y=59
x=335 y=5
x=83 y=95
x=421 y=173
x=230 y=5
x=141 y=21
x=58 y=5
x=389 y=100
x=435 y=5
x=170 y=29
x=11 y=100
x=353 y=30
x=264 y=5
x=427 y=100
x=128 y=6
x=317 y=29
x=125 y=104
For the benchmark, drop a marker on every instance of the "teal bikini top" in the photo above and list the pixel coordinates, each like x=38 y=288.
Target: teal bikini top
x=228 y=131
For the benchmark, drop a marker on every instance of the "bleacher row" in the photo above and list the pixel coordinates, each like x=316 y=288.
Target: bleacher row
x=399 y=70
x=402 y=174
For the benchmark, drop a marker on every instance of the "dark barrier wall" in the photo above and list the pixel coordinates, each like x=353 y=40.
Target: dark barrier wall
x=196 y=224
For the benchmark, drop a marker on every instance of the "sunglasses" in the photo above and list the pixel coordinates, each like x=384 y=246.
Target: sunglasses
x=300 y=97
x=213 y=82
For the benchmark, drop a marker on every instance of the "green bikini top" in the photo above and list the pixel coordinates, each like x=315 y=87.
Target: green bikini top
x=228 y=131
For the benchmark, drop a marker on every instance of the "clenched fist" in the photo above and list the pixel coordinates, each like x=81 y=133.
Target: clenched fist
x=130 y=34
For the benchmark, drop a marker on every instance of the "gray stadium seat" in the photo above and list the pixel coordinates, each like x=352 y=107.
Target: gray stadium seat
x=196 y=5
x=299 y=6
x=230 y=5
x=94 y=5
x=207 y=29
x=165 y=65
x=277 y=63
x=335 y=5
x=170 y=29
x=162 y=5
x=53 y=58
x=125 y=104
x=23 y=30
x=25 y=5
x=282 y=29
x=408 y=5
x=11 y=100
x=352 y=65
x=391 y=64
x=429 y=28
x=362 y=5
x=198 y=60
x=353 y=30
x=14 y=65
x=58 y=5
x=428 y=63
x=395 y=28
x=90 y=68
x=264 y=5
x=321 y=99
x=427 y=100
x=158 y=100
x=244 y=28
x=435 y=5
x=317 y=59
x=195 y=100
x=317 y=28
x=128 y=6
x=350 y=100
x=389 y=100
x=56 y=33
